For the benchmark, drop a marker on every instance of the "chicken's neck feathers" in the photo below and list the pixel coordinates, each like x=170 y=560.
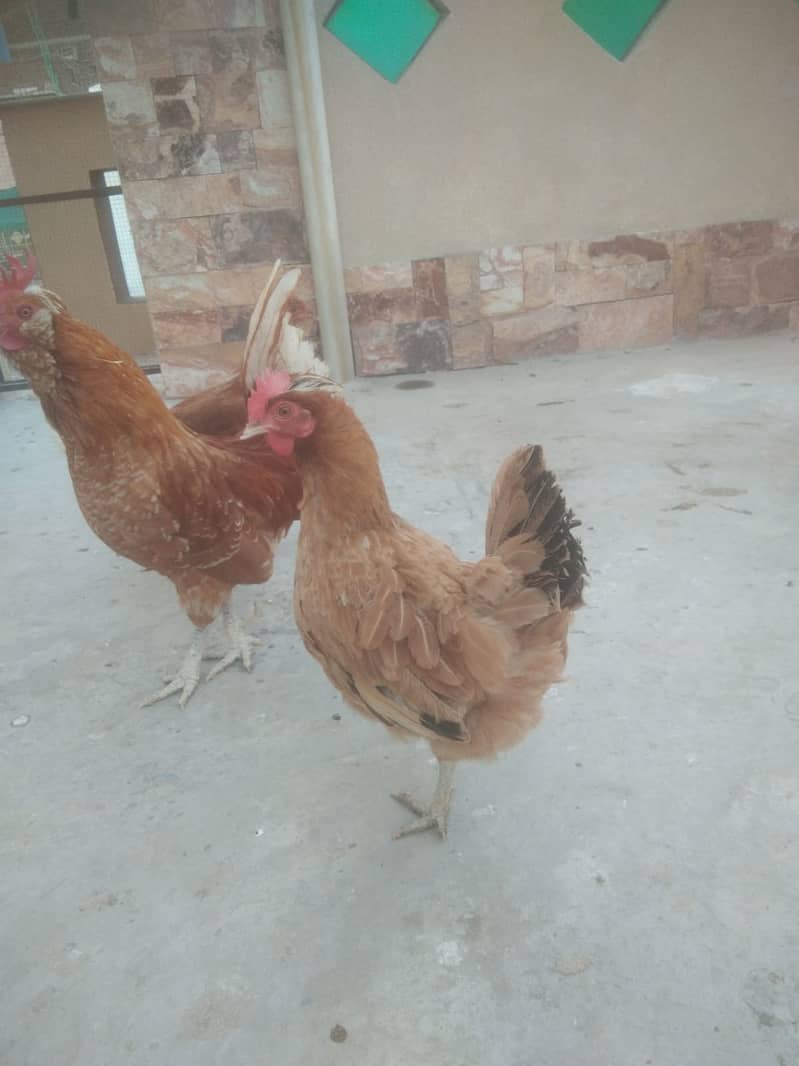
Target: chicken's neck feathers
x=94 y=393
x=343 y=489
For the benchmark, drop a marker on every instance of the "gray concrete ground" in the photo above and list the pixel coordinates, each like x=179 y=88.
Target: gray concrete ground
x=219 y=886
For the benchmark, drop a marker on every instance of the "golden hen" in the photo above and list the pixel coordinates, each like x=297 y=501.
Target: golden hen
x=204 y=512
x=458 y=653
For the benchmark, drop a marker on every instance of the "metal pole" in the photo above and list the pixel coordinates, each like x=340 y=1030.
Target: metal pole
x=316 y=172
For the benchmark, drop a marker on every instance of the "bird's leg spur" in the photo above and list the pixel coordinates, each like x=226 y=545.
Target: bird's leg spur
x=241 y=644
x=437 y=814
x=187 y=678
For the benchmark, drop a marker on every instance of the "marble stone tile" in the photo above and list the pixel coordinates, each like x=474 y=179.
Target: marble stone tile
x=238 y=14
x=239 y=287
x=176 y=106
x=463 y=288
x=786 y=236
x=184 y=292
x=189 y=370
x=587 y=286
x=258 y=237
x=285 y=158
x=143 y=153
x=269 y=52
x=178 y=247
x=472 y=345
x=628 y=250
x=572 y=255
x=106 y=18
x=430 y=288
x=501 y=280
x=129 y=103
x=425 y=345
x=191 y=52
x=153 y=55
x=228 y=96
x=115 y=59
x=688 y=236
x=688 y=280
x=379 y=277
x=185 y=14
x=232 y=52
x=597 y=285
x=375 y=350
x=743 y=322
x=539 y=275
x=627 y=323
x=390 y=305
x=650 y=278
x=777 y=278
x=188 y=197
x=728 y=283
x=739 y=238
x=236 y=149
x=503 y=300
x=497 y=262
x=272 y=186
x=276 y=138
x=192 y=154
x=138 y=152
x=542 y=331
x=175 y=329
x=234 y=322
x=625 y=250
x=273 y=98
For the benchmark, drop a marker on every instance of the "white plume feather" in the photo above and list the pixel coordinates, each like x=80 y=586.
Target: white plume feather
x=273 y=343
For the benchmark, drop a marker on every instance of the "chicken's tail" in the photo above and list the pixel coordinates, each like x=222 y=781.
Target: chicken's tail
x=530 y=528
x=273 y=343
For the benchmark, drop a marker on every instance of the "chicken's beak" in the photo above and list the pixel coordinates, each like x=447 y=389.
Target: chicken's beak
x=253 y=430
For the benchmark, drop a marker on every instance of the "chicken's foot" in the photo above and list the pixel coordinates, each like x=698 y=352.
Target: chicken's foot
x=187 y=678
x=436 y=815
x=241 y=644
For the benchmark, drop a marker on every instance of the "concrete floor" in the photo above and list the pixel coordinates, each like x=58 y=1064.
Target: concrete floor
x=219 y=886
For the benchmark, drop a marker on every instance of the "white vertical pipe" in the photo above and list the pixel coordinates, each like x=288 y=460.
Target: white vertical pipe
x=316 y=172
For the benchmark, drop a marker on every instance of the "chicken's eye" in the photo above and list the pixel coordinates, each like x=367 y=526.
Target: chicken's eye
x=283 y=410
x=25 y=311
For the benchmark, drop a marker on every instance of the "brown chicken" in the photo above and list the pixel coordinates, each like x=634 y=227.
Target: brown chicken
x=458 y=653
x=204 y=512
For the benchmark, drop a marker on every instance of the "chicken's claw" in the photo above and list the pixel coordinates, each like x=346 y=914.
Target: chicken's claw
x=436 y=816
x=427 y=817
x=185 y=680
x=241 y=645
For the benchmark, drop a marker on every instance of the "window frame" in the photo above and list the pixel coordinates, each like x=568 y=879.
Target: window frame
x=110 y=237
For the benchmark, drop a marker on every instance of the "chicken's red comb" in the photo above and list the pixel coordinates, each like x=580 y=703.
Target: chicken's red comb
x=16 y=274
x=268 y=385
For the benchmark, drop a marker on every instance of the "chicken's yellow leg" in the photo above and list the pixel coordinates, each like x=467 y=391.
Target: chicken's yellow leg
x=437 y=814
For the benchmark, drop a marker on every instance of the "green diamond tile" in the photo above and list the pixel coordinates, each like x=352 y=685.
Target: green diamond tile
x=386 y=34
x=615 y=25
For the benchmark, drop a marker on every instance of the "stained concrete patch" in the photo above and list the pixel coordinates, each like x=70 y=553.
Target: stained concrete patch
x=671 y=385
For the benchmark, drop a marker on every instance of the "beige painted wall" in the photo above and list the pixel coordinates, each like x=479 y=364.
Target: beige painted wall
x=512 y=126
x=53 y=145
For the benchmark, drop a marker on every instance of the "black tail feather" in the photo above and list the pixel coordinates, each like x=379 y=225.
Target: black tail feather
x=551 y=522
